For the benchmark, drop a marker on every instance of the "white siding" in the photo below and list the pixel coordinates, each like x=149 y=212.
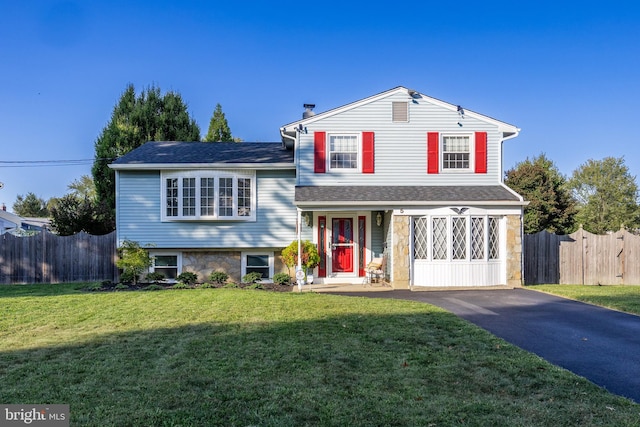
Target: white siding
x=139 y=210
x=400 y=148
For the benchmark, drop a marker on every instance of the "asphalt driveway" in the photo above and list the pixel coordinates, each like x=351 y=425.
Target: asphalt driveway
x=599 y=344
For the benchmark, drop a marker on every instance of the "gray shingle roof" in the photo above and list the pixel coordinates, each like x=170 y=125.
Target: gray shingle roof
x=391 y=194
x=162 y=152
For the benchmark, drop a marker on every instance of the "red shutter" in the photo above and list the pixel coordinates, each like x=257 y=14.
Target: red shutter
x=322 y=246
x=368 y=153
x=481 y=152
x=319 y=150
x=433 y=141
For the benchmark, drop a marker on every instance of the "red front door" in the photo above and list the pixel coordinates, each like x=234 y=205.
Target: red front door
x=342 y=245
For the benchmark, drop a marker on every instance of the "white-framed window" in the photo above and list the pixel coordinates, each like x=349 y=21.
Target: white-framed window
x=167 y=263
x=344 y=152
x=208 y=195
x=457 y=152
x=260 y=262
x=456 y=238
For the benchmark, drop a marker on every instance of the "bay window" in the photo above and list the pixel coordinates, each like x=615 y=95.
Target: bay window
x=208 y=195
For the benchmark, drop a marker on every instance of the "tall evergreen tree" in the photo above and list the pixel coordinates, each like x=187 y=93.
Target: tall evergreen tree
x=218 y=127
x=30 y=206
x=607 y=195
x=551 y=206
x=135 y=120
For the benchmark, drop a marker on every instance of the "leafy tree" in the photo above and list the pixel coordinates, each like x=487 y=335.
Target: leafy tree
x=551 y=206
x=133 y=259
x=135 y=120
x=218 y=127
x=72 y=214
x=30 y=206
x=607 y=195
x=83 y=187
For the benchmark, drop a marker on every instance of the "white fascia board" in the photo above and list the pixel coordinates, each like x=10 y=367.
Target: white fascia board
x=509 y=131
x=165 y=166
x=503 y=185
x=376 y=205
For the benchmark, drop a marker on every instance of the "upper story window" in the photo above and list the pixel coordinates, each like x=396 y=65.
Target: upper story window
x=456 y=152
x=343 y=152
x=459 y=152
x=208 y=195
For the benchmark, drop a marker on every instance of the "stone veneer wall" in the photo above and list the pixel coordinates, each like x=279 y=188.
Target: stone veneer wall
x=401 y=256
x=203 y=263
x=514 y=251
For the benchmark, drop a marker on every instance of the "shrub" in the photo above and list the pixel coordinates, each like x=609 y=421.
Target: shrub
x=281 y=279
x=310 y=257
x=133 y=259
x=231 y=285
x=207 y=285
x=93 y=287
x=153 y=288
x=219 y=277
x=252 y=277
x=255 y=286
x=187 y=277
x=121 y=287
x=155 y=277
x=128 y=277
x=181 y=285
x=107 y=284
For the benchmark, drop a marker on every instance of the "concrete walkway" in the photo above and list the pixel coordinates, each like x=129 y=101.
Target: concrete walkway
x=599 y=344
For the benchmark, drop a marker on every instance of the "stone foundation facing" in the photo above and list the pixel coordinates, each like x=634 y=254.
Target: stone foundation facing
x=203 y=263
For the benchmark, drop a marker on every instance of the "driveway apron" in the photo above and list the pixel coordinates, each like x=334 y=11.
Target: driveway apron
x=599 y=344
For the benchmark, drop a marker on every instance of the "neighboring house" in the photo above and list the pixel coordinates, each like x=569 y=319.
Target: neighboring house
x=15 y=224
x=399 y=176
x=9 y=221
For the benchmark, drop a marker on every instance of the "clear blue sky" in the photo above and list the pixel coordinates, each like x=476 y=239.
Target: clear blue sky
x=566 y=73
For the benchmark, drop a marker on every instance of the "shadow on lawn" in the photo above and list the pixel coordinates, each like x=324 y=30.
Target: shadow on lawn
x=412 y=368
x=41 y=290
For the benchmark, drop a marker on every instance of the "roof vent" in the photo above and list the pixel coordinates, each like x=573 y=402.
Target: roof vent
x=308 y=111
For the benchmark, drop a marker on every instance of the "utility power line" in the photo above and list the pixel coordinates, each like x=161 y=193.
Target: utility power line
x=41 y=163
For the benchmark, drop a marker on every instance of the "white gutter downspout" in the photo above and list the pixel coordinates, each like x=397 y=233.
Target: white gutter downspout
x=299 y=273
x=296 y=158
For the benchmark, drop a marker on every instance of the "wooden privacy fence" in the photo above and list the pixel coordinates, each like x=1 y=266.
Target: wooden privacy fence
x=48 y=258
x=582 y=258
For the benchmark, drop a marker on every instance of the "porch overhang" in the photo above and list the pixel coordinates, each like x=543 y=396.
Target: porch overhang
x=376 y=197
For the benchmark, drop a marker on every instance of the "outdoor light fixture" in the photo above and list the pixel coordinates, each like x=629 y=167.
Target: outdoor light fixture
x=307 y=219
x=379 y=219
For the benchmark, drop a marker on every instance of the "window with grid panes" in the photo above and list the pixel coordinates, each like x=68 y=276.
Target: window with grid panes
x=420 y=240
x=477 y=237
x=494 y=238
x=208 y=195
x=456 y=152
x=343 y=152
x=439 y=232
x=457 y=238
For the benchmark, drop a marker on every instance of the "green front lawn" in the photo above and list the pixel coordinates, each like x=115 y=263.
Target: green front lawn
x=619 y=297
x=230 y=357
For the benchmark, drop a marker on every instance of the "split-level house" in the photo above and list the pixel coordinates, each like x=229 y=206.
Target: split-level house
x=399 y=177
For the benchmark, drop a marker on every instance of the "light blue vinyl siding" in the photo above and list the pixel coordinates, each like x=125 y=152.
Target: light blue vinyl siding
x=139 y=213
x=400 y=148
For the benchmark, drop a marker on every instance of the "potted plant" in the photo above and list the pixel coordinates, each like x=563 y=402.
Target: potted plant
x=310 y=257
